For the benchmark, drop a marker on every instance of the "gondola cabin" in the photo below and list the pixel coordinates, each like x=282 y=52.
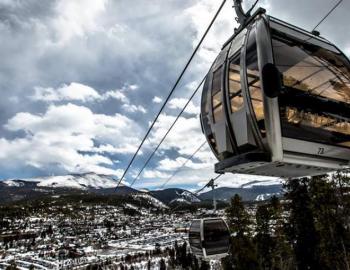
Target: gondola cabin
x=209 y=238
x=276 y=102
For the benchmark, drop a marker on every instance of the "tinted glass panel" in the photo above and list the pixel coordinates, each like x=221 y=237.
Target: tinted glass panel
x=254 y=81
x=195 y=235
x=205 y=108
x=216 y=237
x=315 y=102
x=235 y=89
x=216 y=96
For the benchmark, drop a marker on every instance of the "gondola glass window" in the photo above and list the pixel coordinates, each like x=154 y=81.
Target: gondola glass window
x=254 y=81
x=216 y=237
x=315 y=102
x=235 y=89
x=195 y=235
x=216 y=96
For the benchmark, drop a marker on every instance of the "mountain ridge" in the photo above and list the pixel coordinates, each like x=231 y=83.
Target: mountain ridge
x=253 y=193
x=19 y=189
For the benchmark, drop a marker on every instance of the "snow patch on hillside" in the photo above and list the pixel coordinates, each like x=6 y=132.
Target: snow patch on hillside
x=189 y=196
x=155 y=202
x=13 y=183
x=266 y=196
x=130 y=206
x=179 y=200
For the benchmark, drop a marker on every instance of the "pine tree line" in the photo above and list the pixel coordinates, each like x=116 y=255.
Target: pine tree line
x=308 y=228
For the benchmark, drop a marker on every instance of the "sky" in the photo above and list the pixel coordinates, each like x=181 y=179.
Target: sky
x=81 y=81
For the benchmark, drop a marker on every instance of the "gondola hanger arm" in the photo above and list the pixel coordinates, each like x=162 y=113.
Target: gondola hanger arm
x=242 y=16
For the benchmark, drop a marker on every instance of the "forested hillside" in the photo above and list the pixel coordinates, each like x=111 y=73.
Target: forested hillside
x=306 y=229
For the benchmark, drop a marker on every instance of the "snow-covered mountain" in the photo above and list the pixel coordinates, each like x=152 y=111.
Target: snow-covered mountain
x=75 y=181
x=21 y=189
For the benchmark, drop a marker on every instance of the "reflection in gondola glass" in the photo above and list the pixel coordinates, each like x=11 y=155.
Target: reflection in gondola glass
x=195 y=236
x=254 y=81
x=216 y=96
x=316 y=100
x=235 y=89
x=216 y=237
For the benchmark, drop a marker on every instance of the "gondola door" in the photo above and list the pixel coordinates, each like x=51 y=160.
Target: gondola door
x=235 y=98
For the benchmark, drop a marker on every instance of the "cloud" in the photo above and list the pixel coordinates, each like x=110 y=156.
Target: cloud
x=67 y=136
x=73 y=20
x=155 y=174
x=157 y=99
x=184 y=137
x=116 y=94
x=73 y=91
x=179 y=103
x=83 y=93
x=173 y=164
x=108 y=148
x=199 y=14
x=133 y=87
x=133 y=108
x=78 y=92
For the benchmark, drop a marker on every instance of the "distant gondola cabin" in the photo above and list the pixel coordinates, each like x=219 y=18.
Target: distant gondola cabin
x=209 y=238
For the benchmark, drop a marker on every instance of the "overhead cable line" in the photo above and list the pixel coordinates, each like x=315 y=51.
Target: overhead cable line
x=166 y=134
x=171 y=92
x=325 y=17
x=182 y=165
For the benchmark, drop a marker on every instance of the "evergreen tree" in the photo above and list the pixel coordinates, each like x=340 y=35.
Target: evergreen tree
x=195 y=264
x=342 y=181
x=50 y=230
x=329 y=223
x=157 y=249
x=301 y=230
x=12 y=266
x=204 y=265
x=237 y=217
x=162 y=265
x=282 y=257
x=183 y=256
x=264 y=241
x=172 y=258
x=242 y=252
